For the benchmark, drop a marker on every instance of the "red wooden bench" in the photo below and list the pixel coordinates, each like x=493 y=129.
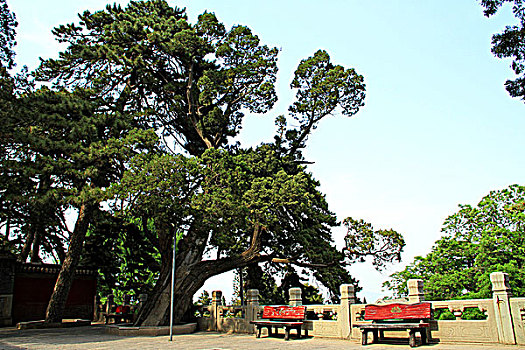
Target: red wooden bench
x=413 y=318
x=286 y=317
x=122 y=314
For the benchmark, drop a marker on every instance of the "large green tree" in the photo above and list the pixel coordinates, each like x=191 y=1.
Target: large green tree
x=477 y=241
x=243 y=207
x=30 y=211
x=510 y=43
x=240 y=207
x=129 y=74
x=7 y=41
x=74 y=150
x=8 y=24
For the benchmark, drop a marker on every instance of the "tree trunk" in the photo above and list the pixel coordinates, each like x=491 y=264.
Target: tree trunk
x=38 y=220
x=187 y=283
x=190 y=275
x=8 y=226
x=189 y=279
x=160 y=295
x=35 y=252
x=27 y=244
x=57 y=303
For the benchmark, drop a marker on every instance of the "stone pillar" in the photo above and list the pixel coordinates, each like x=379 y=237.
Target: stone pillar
x=7 y=287
x=97 y=309
x=343 y=317
x=501 y=294
x=415 y=291
x=142 y=300
x=295 y=296
x=216 y=300
x=110 y=301
x=252 y=307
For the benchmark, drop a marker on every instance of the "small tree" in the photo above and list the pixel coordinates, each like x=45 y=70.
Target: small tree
x=478 y=240
x=204 y=298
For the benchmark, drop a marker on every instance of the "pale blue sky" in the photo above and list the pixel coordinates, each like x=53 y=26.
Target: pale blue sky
x=438 y=128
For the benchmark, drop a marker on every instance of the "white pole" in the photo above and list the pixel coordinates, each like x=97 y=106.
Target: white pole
x=172 y=285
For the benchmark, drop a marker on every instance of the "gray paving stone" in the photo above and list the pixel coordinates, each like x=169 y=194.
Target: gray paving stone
x=94 y=338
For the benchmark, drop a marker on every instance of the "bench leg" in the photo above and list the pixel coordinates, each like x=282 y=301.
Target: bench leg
x=299 y=332
x=375 y=334
x=381 y=335
x=424 y=339
x=412 y=338
x=258 y=333
x=306 y=332
x=364 y=337
x=286 y=333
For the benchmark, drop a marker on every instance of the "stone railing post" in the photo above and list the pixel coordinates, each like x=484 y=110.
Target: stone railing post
x=110 y=301
x=501 y=294
x=343 y=317
x=252 y=308
x=415 y=291
x=97 y=308
x=7 y=287
x=142 y=300
x=295 y=296
x=216 y=300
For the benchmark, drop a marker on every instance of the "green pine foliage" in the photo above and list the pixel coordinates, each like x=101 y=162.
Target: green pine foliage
x=270 y=293
x=204 y=298
x=189 y=81
x=362 y=242
x=510 y=43
x=62 y=152
x=127 y=263
x=8 y=24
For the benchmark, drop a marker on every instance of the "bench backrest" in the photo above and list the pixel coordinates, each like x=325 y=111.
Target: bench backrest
x=420 y=311
x=285 y=312
x=122 y=309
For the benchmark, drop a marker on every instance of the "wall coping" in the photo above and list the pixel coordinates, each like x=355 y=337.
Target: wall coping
x=51 y=269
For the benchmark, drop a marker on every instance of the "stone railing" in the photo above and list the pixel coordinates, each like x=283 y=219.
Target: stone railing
x=232 y=319
x=325 y=322
x=501 y=319
x=517 y=309
x=462 y=330
x=330 y=320
x=455 y=330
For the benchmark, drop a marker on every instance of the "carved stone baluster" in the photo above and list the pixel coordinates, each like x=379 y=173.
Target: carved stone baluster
x=501 y=295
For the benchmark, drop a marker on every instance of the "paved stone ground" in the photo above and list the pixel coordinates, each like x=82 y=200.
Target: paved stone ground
x=94 y=338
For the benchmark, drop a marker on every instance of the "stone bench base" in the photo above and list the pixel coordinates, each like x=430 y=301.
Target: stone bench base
x=287 y=325
x=378 y=329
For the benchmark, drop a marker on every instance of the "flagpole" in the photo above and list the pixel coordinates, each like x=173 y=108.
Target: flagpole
x=172 y=285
